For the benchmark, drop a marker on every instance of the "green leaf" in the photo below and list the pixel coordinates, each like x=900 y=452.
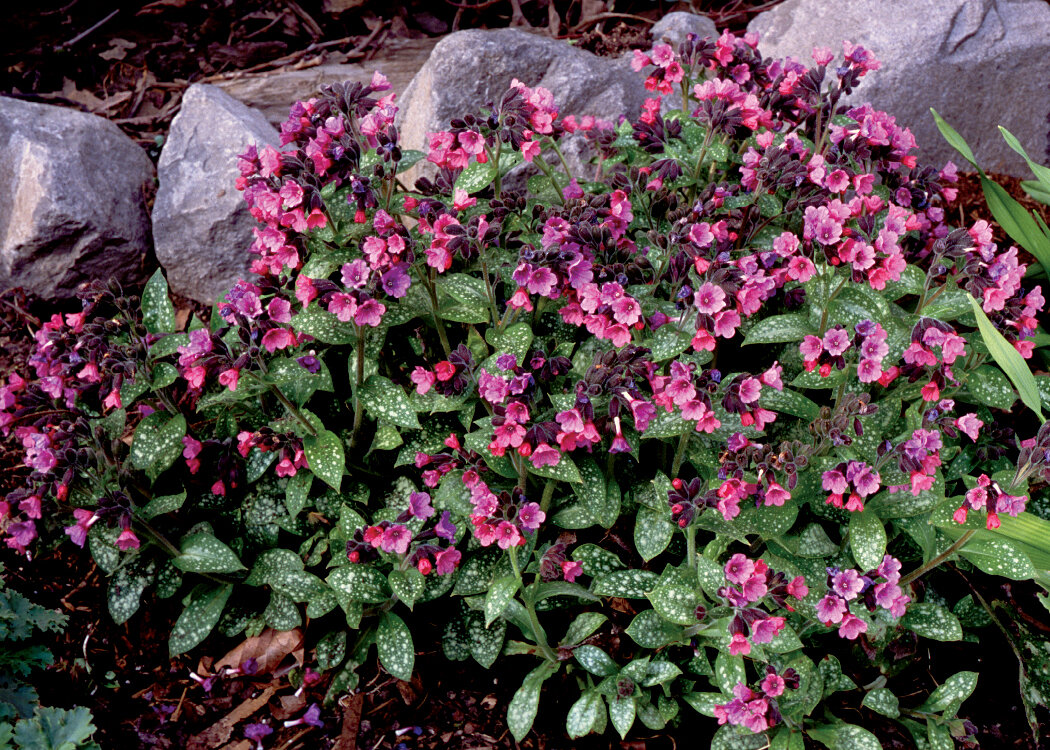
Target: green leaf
x=360 y=583
x=988 y=385
x=951 y=135
x=1016 y=221
x=158 y=314
x=652 y=533
x=705 y=703
x=125 y=592
x=281 y=613
x=55 y=729
x=674 y=600
x=591 y=491
x=999 y=557
x=649 y=630
x=297 y=492
x=163 y=504
x=951 y=693
x=622 y=712
x=729 y=671
x=526 y=701
x=789 y=402
x=394 y=643
x=583 y=627
x=324 y=454
x=485 y=643
x=778 y=329
x=199 y=617
x=331 y=650
x=845 y=737
x=203 y=553
x=499 y=596
x=595 y=661
x=565 y=470
x=324 y=326
x=867 y=539
x=157 y=442
x=476 y=176
x=516 y=340
x=883 y=701
x=296 y=382
x=164 y=374
x=668 y=342
x=932 y=621
x=1009 y=359
x=384 y=400
x=627 y=584
x=583 y=716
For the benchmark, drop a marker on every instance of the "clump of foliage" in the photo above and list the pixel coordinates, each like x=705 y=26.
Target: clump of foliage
x=24 y=723
x=733 y=374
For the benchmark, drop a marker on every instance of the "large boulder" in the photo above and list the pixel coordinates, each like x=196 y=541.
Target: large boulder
x=674 y=27
x=468 y=69
x=73 y=192
x=979 y=63
x=201 y=225
x=273 y=92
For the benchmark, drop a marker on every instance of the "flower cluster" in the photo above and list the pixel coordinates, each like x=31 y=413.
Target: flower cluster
x=876 y=588
x=757 y=710
x=752 y=582
x=854 y=478
x=989 y=497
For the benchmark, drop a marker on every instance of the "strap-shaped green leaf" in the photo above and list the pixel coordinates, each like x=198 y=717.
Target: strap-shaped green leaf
x=1009 y=359
x=521 y=712
x=394 y=643
x=199 y=617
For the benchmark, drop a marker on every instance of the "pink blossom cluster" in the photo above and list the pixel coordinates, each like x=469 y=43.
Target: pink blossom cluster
x=685 y=389
x=989 y=496
x=757 y=710
x=919 y=459
x=502 y=519
x=854 y=478
x=921 y=357
x=751 y=582
x=876 y=588
x=397 y=538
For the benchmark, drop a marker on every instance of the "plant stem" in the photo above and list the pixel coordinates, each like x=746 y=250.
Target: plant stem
x=922 y=570
x=679 y=456
x=291 y=408
x=359 y=379
x=548 y=493
x=690 y=546
x=428 y=282
x=530 y=607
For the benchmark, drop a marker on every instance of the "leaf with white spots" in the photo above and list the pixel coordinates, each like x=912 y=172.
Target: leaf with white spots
x=674 y=600
x=627 y=584
x=394 y=643
x=199 y=617
x=516 y=340
x=324 y=326
x=668 y=342
x=203 y=553
x=384 y=400
x=845 y=737
x=595 y=661
x=407 y=585
x=729 y=671
x=583 y=716
x=867 y=539
x=950 y=694
x=778 y=329
x=360 y=583
x=883 y=701
x=988 y=385
x=157 y=442
x=565 y=470
x=296 y=382
x=932 y=621
x=163 y=504
x=521 y=712
x=281 y=613
x=705 y=703
x=331 y=650
x=622 y=712
x=596 y=560
x=297 y=491
x=649 y=630
x=476 y=176
x=158 y=314
x=583 y=627
x=125 y=590
x=659 y=672
x=652 y=533
x=591 y=492
x=498 y=597
x=325 y=456
x=998 y=556
x=485 y=642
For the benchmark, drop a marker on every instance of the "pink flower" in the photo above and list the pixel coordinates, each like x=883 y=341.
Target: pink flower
x=229 y=378
x=424 y=380
x=447 y=561
x=764 y=631
x=830 y=609
x=278 y=338
x=970 y=424
x=852 y=626
x=710 y=298
x=396 y=539
x=738 y=569
x=127 y=540
x=507 y=535
x=369 y=313
x=545 y=455
x=571 y=570
x=739 y=644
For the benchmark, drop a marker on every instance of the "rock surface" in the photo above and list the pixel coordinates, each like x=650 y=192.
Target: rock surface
x=201 y=226
x=73 y=194
x=274 y=92
x=675 y=27
x=979 y=63
x=468 y=69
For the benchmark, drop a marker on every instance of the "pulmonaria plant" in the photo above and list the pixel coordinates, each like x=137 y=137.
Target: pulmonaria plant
x=710 y=387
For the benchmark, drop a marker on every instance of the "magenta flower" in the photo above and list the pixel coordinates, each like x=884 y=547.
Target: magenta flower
x=709 y=298
x=369 y=313
x=847 y=584
x=278 y=338
x=765 y=630
x=852 y=626
x=545 y=455
x=970 y=424
x=530 y=516
x=395 y=539
x=447 y=561
x=507 y=535
x=830 y=609
x=419 y=505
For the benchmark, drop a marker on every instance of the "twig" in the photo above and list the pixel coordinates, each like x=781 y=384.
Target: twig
x=604 y=16
x=84 y=34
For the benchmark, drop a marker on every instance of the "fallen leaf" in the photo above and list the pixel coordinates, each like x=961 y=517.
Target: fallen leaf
x=220 y=731
x=290 y=706
x=351 y=705
x=159 y=5
x=269 y=649
x=118 y=49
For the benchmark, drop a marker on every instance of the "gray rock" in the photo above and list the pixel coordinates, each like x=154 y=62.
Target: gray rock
x=675 y=27
x=274 y=92
x=72 y=200
x=467 y=69
x=979 y=63
x=201 y=225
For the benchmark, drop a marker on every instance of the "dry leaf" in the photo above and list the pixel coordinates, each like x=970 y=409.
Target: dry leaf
x=118 y=49
x=291 y=705
x=159 y=5
x=269 y=649
x=220 y=731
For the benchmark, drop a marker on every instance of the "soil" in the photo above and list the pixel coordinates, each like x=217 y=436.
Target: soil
x=131 y=65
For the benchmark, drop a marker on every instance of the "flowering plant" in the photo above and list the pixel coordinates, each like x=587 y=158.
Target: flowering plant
x=715 y=388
